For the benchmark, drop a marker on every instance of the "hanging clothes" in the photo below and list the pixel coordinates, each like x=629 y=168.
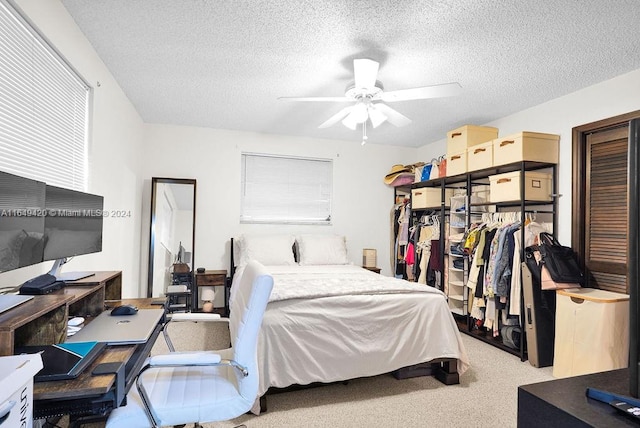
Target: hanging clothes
x=429 y=231
x=400 y=217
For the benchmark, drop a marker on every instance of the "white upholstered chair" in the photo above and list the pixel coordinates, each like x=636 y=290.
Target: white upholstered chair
x=208 y=386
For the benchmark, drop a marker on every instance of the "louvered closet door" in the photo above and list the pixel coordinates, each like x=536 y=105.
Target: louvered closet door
x=606 y=209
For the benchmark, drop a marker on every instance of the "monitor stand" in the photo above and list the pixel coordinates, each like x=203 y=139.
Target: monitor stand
x=73 y=276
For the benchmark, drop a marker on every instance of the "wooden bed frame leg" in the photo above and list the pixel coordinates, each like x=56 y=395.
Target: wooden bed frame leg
x=263 y=403
x=447 y=372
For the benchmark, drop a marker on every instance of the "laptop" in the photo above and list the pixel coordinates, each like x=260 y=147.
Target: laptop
x=64 y=360
x=10 y=301
x=120 y=330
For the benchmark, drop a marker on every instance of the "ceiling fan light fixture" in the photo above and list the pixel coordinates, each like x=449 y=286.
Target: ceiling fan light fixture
x=377 y=117
x=360 y=112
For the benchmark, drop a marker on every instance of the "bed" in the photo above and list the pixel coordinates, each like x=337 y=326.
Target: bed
x=328 y=320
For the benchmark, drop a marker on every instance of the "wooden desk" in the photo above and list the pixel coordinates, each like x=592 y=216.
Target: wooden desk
x=88 y=394
x=43 y=319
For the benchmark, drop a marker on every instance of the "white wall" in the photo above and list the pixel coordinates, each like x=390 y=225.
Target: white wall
x=114 y=151
x=361 y=201
x=559 y=116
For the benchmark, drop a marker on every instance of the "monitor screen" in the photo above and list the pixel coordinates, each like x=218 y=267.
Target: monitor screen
x=21 y=221
x=73 y=223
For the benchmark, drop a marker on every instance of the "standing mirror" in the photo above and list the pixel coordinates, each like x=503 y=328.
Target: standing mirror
x=172 y=237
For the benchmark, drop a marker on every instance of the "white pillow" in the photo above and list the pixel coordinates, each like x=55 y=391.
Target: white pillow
x=322 y=250
x=270 y=250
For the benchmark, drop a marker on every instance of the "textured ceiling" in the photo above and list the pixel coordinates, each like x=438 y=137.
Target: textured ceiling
x=223 y=64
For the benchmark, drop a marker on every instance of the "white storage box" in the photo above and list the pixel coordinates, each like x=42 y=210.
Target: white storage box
x=526 y=146
x=456 y=163
x=460 y=139
x=480 y=156
x=428 y=197
x=16 y=395
x=506 y=187
x=592 y=331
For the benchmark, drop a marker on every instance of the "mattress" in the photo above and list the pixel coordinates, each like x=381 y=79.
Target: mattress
x=333 y=323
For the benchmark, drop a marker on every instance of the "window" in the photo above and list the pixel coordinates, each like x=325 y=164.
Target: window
x=280 y=189
x=43 y=107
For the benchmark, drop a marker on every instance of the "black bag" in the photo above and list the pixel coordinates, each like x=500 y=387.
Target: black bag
x=560 y=261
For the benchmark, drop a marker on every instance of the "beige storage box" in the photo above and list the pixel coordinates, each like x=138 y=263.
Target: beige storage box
x=526 y=146
x=16 y=396
x=480 y=156
x=592 y=331
x=456 y=164
x=506 y=187
x=428 y=197
x=460 y=139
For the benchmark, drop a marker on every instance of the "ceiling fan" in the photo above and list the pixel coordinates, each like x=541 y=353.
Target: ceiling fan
x=368 y=97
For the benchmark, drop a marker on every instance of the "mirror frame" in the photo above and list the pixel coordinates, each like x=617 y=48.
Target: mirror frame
x=152 y=237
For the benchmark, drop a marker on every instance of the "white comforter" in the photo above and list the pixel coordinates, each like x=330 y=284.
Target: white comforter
x=331 y=323
x=310 y=282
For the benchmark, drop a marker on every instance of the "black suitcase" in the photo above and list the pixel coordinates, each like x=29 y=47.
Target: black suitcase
x=539 y=318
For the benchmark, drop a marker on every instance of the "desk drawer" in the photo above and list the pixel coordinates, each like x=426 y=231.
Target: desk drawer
x=210 y=279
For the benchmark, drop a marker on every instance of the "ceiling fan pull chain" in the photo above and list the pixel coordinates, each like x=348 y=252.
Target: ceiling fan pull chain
x=364 y=133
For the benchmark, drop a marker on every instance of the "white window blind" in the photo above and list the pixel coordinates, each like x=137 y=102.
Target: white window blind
x=43 y=108
x=278 y=189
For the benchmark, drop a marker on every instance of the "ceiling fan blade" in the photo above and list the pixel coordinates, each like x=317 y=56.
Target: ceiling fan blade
x=365 y=72
x=336 y=117
x=376 y=116
x=323 y=99
x=435 y=91
x=393 y=116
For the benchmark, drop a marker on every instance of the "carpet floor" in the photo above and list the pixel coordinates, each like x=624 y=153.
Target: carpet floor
x=486 y=396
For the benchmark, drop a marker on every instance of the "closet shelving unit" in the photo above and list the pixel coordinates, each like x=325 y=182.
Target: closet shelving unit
x=458 y=302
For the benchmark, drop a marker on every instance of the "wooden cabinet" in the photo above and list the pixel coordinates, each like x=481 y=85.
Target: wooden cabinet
x=213 y=278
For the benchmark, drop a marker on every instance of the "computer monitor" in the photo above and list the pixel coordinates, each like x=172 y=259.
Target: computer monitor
x=22 y=208
x=73 y=224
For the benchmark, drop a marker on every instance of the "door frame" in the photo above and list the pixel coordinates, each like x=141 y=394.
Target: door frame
x=579 y=168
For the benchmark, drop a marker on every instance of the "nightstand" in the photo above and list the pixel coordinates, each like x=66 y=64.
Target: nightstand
x=372 y=269
x=212 y=278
